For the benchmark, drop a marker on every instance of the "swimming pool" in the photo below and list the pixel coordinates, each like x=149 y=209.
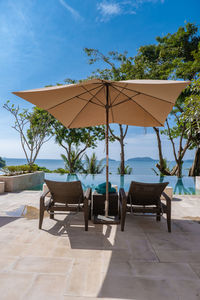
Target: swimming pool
x=181 y=186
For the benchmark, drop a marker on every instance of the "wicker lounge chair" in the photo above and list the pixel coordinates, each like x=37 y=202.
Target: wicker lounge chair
x=145 y=198
x=65 y=196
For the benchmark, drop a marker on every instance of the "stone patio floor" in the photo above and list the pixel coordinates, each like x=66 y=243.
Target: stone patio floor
x=62 y=261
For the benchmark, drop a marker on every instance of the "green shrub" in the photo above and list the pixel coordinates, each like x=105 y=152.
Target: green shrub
x=38 y=168
x=17 y=170
x=61 y=171
x=127 y=170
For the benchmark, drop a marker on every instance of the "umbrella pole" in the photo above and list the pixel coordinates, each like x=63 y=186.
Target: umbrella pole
x=107 y=151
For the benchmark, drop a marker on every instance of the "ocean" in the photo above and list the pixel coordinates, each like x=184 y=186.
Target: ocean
x=139 y=167
x=142 y=172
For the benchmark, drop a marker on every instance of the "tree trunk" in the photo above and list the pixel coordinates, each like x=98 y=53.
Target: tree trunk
x=195 y=169
x=161 y=165
x=122 y=167
x=120 y=139
x=174 y=170
x=179 y=168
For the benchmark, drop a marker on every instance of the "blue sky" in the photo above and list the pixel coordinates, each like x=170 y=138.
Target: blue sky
x=42 y=43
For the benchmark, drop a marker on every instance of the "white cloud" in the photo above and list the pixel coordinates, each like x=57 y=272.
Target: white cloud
x=111 y=8
x=70 y=9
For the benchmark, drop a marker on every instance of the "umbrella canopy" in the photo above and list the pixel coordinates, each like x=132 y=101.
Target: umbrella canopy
x=143 y=103
x=95 y=102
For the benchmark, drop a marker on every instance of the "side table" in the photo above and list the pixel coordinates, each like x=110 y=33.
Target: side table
x=98 y=208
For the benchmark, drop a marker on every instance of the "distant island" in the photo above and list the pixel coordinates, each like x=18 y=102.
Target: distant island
x=110 y=159
x=146 y=158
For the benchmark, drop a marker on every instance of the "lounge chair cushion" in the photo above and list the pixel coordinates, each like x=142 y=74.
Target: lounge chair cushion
x=101 y=188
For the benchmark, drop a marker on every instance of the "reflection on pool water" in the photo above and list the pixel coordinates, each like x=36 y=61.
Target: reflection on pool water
x=26 y=211
x=181 y=186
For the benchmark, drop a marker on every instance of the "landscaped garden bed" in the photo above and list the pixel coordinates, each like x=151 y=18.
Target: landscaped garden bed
x=17 y=178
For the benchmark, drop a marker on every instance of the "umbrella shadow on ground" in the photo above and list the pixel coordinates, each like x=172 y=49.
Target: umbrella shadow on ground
x=131 y=259
x=6 y=220
x=140 y=267
x=72 y=227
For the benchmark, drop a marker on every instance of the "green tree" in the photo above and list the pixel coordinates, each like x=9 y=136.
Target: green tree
x=92 y=165
x=74 y=164
x=75 y=141
x=191 y=117
x=174 y=56
x=2 y=163
x=114 y=60
x=34 y=128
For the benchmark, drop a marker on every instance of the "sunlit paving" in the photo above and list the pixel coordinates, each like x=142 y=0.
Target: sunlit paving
x=63 y=260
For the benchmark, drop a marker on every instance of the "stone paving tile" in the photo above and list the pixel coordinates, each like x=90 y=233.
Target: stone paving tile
x=126 y=287
x=13 y=249
x=46 y=287
x=178 y=271
x=65 y=252
x=14 y=285
x=175 y=241
x=187 y=226
x=179 y=256
x=44 y=265
x=196 y=268
x=85 y=278
x=141 y=249
x=6 y=263
x=148 y=224
x=88 y=298
x=185 y=289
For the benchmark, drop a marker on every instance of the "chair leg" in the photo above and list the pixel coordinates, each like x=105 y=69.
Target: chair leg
x=51 y=214
x=90 y=212
x=86 y=220
x=158 y=217
x=122 y=223
x=169 y=220
x=86 y=215
x=123 y=217
x=41 y=216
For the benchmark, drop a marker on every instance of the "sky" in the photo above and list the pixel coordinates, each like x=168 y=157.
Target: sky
x=42 y=43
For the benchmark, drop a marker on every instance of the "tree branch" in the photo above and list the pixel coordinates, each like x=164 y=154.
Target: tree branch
x=172 y=141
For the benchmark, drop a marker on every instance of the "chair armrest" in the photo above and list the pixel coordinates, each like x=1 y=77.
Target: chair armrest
x=87 y=199
x=168 y=201
x=88 y=194
x=42 y=197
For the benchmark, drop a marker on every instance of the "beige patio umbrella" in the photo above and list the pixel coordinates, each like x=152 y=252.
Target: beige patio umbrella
x=94 y=102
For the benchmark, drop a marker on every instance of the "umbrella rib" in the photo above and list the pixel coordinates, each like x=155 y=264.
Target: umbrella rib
x=121 y=102
x=89 y=101
x=54 y=106
x=111 y=109
x=143 y=108
x=147 y=112
x=115 y=85
x=94 y=96
x=117 y=95
x=78 y=113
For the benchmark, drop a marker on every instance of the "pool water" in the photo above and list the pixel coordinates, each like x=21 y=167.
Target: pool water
x=181 y=186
